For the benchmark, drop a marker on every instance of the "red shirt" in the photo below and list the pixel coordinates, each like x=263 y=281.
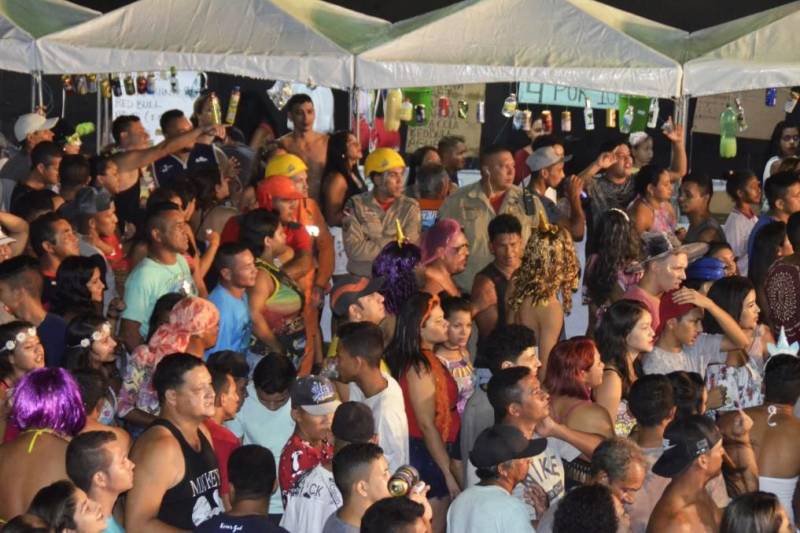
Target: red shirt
x=116 y=258
x=224 y=442
x=521 y=168
x=297 y=458
x=497 y=202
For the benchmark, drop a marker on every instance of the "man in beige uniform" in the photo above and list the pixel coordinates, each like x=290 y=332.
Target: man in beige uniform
x=304 y=142
x=371 y=218
x=474 y=206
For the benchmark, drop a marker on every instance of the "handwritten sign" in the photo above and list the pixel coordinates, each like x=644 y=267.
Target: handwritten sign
x=439 y=127
x=761 y=119
x=546 y=94
x=150 y=107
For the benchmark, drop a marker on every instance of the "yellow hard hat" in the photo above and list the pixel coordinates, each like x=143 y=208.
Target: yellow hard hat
x=383 y=159
x=285 y=165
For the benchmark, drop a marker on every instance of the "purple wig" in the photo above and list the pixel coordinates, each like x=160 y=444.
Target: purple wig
x=48 y=398
x=396 y=265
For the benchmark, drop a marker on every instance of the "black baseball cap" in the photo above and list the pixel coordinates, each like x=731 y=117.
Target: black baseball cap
x=501 y=443
x=315 y=395
x=88 y=201
x=353 y=422
x=348 y=289
x=685 y=441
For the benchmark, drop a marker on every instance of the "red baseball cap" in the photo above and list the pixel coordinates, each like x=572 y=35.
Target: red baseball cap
x=669 y=309
x=276 y=187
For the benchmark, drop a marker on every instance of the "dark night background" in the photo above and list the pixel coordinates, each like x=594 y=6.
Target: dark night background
x=685 y=14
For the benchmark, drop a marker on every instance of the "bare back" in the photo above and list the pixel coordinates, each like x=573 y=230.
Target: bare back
x=27 y=464
x=313 y=149
x=775 y=446
x=676 y=513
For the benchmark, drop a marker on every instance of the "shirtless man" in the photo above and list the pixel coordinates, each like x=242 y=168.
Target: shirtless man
x=176 y=481
x=692 y=459
x=776 y=431
x=303 y=141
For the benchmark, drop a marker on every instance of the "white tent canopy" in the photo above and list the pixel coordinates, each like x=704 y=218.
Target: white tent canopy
x=551 y=41
x=296 y=40
x=24 y=21
x=753 y=52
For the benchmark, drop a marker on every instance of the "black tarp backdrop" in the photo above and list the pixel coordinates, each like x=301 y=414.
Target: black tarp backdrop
x=689 y=15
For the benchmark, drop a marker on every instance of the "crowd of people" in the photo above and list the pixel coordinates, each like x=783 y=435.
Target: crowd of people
x=163 y=365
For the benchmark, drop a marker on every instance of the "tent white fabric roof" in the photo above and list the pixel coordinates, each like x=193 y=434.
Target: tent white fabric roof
x=754 y=52
x=274 y=39
x=24 y=21
x=552 y=41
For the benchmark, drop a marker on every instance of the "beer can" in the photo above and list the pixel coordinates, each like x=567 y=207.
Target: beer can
x=91 y=79
x=463 y=109
x=566 y=121
x=116 y=85
x=526 y=120
x=547 y=121
x=480 y=112
x=419 y=113
x=105 y=88
x=611 y=118
x=771 y=97
x=444 y=107
x=403 y=480
x=130 y=85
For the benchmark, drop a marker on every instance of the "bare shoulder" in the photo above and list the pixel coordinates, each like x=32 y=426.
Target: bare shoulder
x=156 y=438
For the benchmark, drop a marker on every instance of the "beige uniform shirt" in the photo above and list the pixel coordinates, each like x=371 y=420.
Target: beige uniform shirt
x=471 y=207
x=368 y=228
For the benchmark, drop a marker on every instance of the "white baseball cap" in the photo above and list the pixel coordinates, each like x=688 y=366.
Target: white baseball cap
x=5 y=239
x=30 y=123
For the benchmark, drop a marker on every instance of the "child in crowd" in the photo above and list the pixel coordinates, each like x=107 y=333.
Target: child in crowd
x=454 y=353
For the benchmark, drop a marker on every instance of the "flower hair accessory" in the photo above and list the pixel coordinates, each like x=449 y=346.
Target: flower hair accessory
x=19 y=338
x=99 y=333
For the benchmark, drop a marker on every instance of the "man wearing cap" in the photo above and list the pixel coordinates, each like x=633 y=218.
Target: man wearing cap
x=692 y=457
x=43 y=174
x=359 y=358
x=547 y=167
x=304 y=142
x=372 y=219
x=317 y=496
x=682 y=345
x=502 y=455
x=93 y=215
x=314 y=401
x=30 y=129
x=664 y=269
x=475 y=205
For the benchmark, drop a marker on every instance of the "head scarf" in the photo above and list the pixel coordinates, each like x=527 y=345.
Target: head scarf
x=191 y=316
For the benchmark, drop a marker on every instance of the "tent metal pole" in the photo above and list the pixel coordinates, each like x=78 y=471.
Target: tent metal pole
x=33 y=92
x=98 y=128
x=40 y=80
x=682 y=114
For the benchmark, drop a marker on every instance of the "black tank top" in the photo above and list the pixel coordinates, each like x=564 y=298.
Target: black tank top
x=353 y=188
x=195 y=498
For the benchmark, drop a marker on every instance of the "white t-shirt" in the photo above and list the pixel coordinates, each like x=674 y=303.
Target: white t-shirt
x=311 y=502
x=488 y=509
x=255 y=424
x=695 y=358
x=737 y=229
x=391 y=422
x=545 y=482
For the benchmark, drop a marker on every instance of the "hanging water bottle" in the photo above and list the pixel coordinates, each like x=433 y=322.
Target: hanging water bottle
x=728 y=124
x=518 y=120
x=588 y=116
x=627 y=120
x=652 y=114
x=509 y=105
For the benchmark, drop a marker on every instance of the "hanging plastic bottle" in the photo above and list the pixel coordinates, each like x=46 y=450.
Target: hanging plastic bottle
x=627 y=120
x=116 y=85
x=130 y=85
x=740 y=120
x=463 y=109
x=480 y=112
x=527 y=115
x=216 y=110
x=566 y=121
x=728 y=124
x=588 y=115
x=652 y=114
x=391 y=109
x=66 y=81
x=509 y=105
x=611 y=118
x=233 y=106
x=105 y=87
x=81 y=85
x=151 y=83
x=519 y=119
x=91 y=80
x=141 y=83
x=173 y=80
x=406 y=110
x=771 y=97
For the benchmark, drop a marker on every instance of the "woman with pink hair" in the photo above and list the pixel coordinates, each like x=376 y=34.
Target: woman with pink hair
x=192 y=328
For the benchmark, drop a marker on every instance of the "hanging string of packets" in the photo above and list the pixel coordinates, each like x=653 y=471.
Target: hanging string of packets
x=119 y=84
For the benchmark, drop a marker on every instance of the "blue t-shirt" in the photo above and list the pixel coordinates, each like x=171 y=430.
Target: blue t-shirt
x=52 y=333
x=763 y=220
x=112 y=526
x=241 y=524
x=235 y=325
x=151 y=280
